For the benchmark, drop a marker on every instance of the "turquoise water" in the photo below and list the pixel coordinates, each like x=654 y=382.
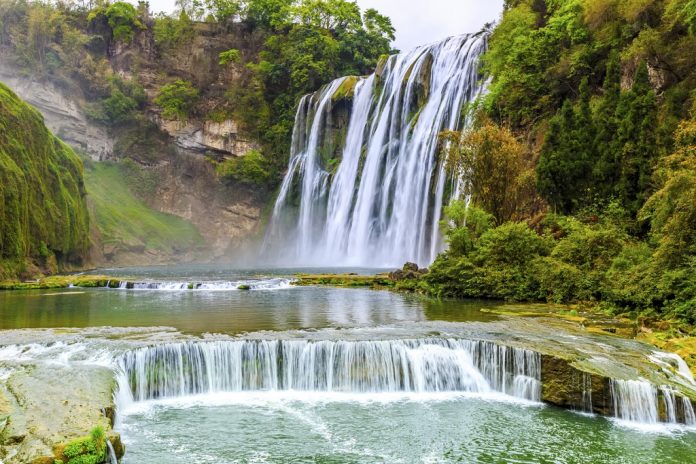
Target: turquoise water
x=318 y=427
x=265 y=428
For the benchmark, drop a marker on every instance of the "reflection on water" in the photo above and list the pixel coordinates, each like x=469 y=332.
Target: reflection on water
x=230 y=311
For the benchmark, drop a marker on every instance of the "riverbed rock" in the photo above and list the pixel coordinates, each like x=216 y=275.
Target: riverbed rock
x=51 y=404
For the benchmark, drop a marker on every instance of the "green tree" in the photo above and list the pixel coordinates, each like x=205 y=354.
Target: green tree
x=558 y=163
x=636 y=142
x=493 y=163
x=177 y=99
x=605 y=169
x=123 y=20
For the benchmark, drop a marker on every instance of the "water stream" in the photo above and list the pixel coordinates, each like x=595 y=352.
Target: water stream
x=379 y=201
x=300 y=374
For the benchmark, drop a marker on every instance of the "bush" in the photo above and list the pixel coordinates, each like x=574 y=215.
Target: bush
x=177 y=99
x=171 y=32
x=230 y=56
x=250 y=169
x=88 y=450
x=123 y=20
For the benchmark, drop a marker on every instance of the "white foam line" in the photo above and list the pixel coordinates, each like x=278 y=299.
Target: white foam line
x=265 y=399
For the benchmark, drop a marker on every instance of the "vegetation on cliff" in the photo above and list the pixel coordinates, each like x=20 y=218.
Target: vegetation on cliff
x=43 y=215
x=590 y=131
x=251 y=60
x=127 y=224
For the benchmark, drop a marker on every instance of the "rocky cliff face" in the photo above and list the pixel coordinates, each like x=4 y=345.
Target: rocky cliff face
x=62 y=114
x=43 y=213
x=172 y=156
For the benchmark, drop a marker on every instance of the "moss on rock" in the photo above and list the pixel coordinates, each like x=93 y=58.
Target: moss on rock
x=43 y=213
x=346 y=90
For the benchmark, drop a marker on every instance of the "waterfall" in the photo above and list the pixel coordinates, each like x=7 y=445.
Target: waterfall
x=585 y=385
x=370 y=192
x=420 y=365
x=112 y=454
x=635 y=401
x=639 y=401
x=247 y=284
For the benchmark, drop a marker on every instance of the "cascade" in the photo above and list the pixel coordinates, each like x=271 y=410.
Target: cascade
x=112 y=454
x=419 y=365
x=255 y=284
x=638 y=401
x=371 y=194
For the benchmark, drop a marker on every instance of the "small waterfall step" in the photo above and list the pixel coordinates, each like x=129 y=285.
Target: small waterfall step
x=421 y=365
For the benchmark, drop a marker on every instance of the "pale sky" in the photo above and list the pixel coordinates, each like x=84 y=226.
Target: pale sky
x=418 y=22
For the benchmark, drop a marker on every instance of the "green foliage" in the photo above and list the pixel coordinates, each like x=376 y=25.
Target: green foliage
x=170 y=32
x=557 y=69
x=42 y=204
x=495 y=164
x=123 y=20
x=230 y=56
x=251 y=169
x=87 y=450
x=126 y=221
x=177 y=99
x=124 y=100
x=310 y=43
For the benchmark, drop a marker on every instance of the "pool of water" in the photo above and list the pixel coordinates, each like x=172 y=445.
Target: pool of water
x=382 y=428
x=286 y=426
x=275 y=305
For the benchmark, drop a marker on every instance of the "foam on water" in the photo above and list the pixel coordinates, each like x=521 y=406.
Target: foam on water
x=420 y=367
x=208 y=286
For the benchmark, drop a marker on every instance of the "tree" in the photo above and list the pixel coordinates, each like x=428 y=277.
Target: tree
x=270 y=14
x=222 y=10
x=635 y=141
x=42 y=26
x=123 y=20
x=492 y=162
x=177 y=99
x=559 y=164
x=605 y=170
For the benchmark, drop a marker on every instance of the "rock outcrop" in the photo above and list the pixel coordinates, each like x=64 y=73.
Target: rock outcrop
x=62 y=113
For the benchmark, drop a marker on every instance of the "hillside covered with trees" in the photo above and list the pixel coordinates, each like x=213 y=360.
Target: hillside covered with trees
x=584 y=161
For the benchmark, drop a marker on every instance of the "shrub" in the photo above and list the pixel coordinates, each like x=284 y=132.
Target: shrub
x=230 y=56
x=177 y=99
x=250 y=169
x=123 y=20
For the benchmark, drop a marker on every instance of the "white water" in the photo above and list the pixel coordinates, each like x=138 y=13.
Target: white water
x=260 y=284
x=382 y=207
x=421 y=366
x=112 y=454
x=638 y=401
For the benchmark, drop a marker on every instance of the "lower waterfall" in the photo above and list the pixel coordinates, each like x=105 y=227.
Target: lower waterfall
x=422 y=365
x=365 y=185
x=641 y=402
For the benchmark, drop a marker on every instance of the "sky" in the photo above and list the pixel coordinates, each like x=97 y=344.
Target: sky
x=418 y=22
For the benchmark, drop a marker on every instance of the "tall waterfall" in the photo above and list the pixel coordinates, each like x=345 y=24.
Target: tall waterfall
x=420 y=365
x=365 y=185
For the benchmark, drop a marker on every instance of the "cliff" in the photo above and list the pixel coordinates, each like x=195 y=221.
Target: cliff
x=159 y=199
x=43 y=213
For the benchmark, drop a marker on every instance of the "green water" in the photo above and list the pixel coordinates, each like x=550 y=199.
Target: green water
x=315 y=427
x=466 y=430
x=226 y=311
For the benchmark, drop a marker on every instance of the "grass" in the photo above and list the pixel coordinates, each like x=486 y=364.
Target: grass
x=124 y=220
x=47 y=283
x=344 y=280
